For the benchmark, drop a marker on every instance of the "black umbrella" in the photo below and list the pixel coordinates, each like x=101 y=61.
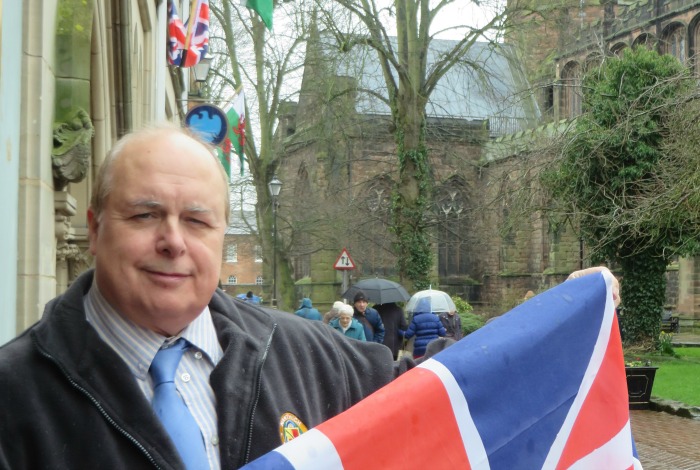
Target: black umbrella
x=378 y=291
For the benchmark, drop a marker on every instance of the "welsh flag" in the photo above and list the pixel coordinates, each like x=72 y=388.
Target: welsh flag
x=263 y=8
x=235 y=139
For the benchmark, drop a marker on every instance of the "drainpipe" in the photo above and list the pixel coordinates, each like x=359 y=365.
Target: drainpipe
x=122 y=39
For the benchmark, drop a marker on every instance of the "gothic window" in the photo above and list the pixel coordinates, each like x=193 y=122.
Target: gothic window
x=674 y=41
x=644 y=40
x=232 y=253
x=450 y=208
x=618 y=48
x=570 y=104
x=259 y=280
x=695 y=44
x=232 y=280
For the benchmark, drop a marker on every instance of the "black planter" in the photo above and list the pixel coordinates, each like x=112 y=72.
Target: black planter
x=639 y=383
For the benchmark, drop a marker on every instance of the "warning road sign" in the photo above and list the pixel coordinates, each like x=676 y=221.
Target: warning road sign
x=344 y=262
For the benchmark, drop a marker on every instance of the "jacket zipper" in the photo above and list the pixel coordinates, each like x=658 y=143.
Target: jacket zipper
x=96 y=403
x=258 y=387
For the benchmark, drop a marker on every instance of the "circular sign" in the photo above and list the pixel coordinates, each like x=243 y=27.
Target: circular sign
x=209 y=122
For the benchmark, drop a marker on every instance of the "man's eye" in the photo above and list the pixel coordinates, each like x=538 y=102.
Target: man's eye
x=145 y=215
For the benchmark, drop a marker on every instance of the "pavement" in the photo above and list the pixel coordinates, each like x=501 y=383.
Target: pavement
x=665 y=441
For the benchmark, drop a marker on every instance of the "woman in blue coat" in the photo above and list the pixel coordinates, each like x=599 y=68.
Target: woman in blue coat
x=347 y=325
x=426 y=326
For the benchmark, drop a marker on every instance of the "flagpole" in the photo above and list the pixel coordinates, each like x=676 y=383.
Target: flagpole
x=190 y=22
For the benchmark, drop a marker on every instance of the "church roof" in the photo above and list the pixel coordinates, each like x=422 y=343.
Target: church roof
x=487 y=83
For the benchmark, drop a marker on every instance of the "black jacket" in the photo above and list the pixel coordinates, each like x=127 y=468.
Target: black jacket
x=67 y=400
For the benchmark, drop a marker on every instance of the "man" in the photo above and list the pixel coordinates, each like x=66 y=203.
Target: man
x=452 y=323
x=75 y=389
x=370 y=319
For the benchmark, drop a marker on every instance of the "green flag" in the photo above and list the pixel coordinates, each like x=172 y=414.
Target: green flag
x=263 y=8
x=235 y=138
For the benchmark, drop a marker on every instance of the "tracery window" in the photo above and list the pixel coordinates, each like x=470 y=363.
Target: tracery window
x=674 y=41
x=453 y=227
x=570 y=104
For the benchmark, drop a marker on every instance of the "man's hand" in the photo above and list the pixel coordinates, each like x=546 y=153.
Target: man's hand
x=597 y=269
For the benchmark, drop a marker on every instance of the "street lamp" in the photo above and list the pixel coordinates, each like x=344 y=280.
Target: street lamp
x=275 y=186
x=201 y=69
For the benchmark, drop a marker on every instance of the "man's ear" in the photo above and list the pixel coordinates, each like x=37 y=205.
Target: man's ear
x=93 y=227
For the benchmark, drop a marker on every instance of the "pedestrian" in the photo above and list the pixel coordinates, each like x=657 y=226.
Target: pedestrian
x=249 y=297
x=334 y=312
x=77 y=388
x=346 y=324
x=370 y=319
x=308 y=311
x=425 y=325
x=394 y=320
x=452 y=323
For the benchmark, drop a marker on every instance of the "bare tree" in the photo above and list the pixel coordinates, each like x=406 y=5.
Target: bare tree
x=248 y=56
x=409 y=80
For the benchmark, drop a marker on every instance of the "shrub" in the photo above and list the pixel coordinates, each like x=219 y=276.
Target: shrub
x=470 y=321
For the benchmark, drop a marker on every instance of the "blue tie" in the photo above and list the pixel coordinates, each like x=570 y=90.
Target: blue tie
x=171 y=409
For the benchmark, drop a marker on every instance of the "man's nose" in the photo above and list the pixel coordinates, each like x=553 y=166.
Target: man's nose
x=171 y=240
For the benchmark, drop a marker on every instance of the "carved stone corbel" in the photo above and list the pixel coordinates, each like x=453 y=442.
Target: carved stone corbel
x=72 y=148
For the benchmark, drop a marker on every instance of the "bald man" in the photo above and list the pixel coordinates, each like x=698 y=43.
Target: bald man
x=75 y=388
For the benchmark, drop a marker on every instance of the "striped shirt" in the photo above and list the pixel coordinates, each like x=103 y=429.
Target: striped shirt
x=137 y=346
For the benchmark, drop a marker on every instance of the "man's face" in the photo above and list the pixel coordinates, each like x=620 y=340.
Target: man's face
x=345 y=320
x=158 y=242
x=361 y=306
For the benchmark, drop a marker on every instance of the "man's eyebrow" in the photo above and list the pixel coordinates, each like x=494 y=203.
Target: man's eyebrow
x=148 y=203
x=198 y=210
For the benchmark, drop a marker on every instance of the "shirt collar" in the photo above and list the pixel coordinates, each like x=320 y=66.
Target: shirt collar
x=137 y=345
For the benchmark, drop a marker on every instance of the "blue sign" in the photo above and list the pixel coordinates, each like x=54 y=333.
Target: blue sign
x=209 y=122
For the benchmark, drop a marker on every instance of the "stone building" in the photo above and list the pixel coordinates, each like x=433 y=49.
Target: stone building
x=76 y=75
x=340 y=152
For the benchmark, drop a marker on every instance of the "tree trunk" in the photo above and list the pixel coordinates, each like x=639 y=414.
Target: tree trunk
x=643 y=291
x=412 y=194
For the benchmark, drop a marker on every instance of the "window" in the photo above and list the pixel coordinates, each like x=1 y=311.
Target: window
x=570 y=104
x=258 y=254
x=259 y=281
x=674 y=42
x=232 y=280
x=232 y=253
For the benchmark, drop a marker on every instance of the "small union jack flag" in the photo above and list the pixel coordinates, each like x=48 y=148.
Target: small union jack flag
x=541 y=387
x=188 y=43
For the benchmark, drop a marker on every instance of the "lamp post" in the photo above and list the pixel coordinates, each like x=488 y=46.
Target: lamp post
x=201 y=71
x=275 y=186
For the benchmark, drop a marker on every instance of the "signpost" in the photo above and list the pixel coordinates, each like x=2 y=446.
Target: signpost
x=344 y=263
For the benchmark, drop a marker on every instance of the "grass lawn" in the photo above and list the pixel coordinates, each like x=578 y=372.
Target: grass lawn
x=677 y=378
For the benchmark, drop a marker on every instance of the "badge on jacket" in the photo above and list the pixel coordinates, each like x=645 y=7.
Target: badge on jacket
x=291 y=427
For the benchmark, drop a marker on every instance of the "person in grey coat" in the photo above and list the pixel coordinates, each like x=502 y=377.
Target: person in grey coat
x=76 y=387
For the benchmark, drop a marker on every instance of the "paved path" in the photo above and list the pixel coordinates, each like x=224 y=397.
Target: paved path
x=665 y=441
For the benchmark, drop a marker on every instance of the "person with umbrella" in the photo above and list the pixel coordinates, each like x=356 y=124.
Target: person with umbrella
x=394 y=320
x=369 y=317
x=425 y=325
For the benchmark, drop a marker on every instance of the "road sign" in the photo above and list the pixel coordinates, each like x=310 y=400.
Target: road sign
x=344 y=262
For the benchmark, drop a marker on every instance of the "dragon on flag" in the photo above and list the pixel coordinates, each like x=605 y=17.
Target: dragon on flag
x=541 y=387
x=188 y=42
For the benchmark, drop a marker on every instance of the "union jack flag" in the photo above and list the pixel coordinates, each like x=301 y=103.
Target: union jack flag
x=541 y=387
x=188 y=43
